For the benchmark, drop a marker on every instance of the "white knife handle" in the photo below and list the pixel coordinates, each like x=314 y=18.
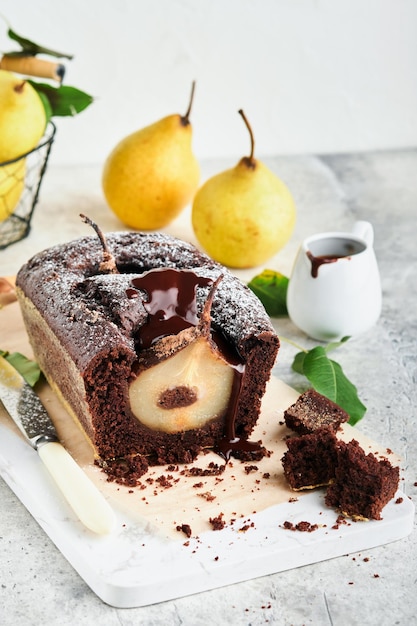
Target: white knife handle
x=81 y=494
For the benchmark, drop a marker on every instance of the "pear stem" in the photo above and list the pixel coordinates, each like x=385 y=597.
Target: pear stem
x=250 y=158
x=185 y=118
x=205 y=318
x=108 y=264
x=19 y=88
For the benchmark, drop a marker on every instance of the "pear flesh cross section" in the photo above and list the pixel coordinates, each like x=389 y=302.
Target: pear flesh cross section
x=198 y=380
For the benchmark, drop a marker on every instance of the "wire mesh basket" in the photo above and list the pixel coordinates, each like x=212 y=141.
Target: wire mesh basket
x=20 y=182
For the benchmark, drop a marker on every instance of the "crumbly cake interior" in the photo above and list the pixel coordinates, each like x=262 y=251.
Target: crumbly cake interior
x=310 y=460
x=363 y=484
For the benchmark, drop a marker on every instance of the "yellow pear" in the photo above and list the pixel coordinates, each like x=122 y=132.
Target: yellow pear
x=243 y=215
x=152 y=174
x=22 y=117
x=12 y=182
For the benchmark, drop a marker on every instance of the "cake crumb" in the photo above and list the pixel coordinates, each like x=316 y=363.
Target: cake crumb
x=217 y=522
x=186 y=529
x=341 y=519
x=207 y=496
x=164 y=481
x=213 y=469
x=300 y=526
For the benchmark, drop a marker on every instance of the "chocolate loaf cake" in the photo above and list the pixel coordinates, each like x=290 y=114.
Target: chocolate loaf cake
x=155 y=349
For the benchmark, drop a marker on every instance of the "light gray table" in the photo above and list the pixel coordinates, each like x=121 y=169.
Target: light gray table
x=378 y=586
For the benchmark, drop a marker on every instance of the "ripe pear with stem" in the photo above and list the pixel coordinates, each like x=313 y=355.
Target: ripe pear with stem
x=152 y=174
x=244 y=215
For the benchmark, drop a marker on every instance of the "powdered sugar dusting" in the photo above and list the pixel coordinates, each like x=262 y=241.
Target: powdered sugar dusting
x=64 y=283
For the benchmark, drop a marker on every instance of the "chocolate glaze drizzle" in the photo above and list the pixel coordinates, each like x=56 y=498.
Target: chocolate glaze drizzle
x=171 y=305
x=171 y=302
x=317 y=261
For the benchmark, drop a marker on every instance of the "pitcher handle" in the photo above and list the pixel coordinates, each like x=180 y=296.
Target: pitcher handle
x=364 y=230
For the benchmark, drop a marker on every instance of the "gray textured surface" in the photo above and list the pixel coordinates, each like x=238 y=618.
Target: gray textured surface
x=377 y=586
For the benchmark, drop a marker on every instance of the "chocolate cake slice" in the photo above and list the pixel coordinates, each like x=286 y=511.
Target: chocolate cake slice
x=311 y=411
x=363 y=484
x=310 y=460
x=155 y=349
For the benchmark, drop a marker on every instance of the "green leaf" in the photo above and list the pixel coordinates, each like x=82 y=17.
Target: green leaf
x=30 y=370
x=64 y=100
x=335 y=344
x=328 y=378
x=30 y=48
x=46 y=106
x=271 y=288
x=298 y=363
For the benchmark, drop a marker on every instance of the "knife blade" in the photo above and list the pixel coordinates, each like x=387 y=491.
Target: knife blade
x=30 y=416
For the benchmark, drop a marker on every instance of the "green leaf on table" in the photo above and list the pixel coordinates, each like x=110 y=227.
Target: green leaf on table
x=271 y=288
x=327 y=377
x=332 y=345
x=30 y=48
x=298 y=363
x=64 y=100
x=30 y=370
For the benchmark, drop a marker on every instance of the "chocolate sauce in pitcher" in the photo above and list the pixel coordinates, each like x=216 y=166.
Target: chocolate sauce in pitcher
x=336 y=249
x=317 y=261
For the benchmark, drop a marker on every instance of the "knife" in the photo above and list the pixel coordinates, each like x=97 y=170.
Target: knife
x=29 y=414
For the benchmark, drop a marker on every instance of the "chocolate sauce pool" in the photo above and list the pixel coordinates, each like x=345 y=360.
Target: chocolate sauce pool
x=171 y=304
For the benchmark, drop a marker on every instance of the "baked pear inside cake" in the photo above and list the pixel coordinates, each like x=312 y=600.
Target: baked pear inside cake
x=155 y=349
x=183 y=380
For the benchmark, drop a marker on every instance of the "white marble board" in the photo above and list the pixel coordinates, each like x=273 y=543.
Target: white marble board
x=136 y=566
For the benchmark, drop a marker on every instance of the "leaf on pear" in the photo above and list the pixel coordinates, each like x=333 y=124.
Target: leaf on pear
x=271 y=288
x=46 y=106
x=328 y=378
x=30 y=370
x=30 y=48
x=64 y=100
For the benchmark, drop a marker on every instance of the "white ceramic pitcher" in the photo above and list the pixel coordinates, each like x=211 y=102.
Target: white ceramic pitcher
x=335 y=288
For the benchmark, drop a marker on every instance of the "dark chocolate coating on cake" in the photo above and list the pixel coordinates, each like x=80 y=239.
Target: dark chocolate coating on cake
x=94 y=322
